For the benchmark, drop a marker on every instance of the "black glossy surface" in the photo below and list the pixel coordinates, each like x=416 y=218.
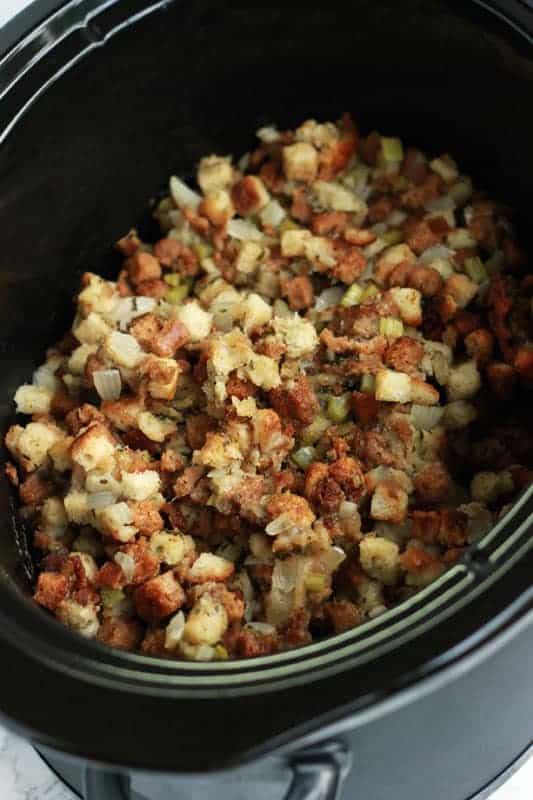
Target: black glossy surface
x=76 y=171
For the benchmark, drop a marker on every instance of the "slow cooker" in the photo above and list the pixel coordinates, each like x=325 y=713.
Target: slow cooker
x=100 y=101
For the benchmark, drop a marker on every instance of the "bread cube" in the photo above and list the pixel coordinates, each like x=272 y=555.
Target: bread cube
x=380 y=559
x=197 y=321
x=140 y=485
x=116 y=522
x=92 y=446
x=464 y=381
x=215 y=173
x=393 y=387
x=33 y=399
x=300 y=162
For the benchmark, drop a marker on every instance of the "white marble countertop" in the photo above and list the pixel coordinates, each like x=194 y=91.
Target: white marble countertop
x=24 y=776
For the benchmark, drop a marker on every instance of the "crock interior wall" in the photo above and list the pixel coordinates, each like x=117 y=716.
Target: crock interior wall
x=77 y=170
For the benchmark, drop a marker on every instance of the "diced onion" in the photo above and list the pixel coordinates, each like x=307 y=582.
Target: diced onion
x=182 y=195
x=432 y=253
x=244 y=230
x=100 y=500
x=268 y=134
x=108 y=383
x=128 y=308
x=285 y=574
x=280 y=524
x=273 y=214
x=329 y=297
x=126 y=563
x=424 y=418
x=262 y=628
x=396 y=218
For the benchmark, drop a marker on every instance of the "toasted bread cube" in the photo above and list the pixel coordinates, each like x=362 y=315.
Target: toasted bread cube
x=485 y=487
x=158 y=598
x=380 y=559
x=83 y=619
x=257 y=312
x=140 y=485
x=215 y=173
x=461 y=288
x=218 y=207
x=92 y=446
x=393 y=387
x=300 y=162
x=168 y=547
x=155 y=428
x=78 y=358
x=338 y=198
x=92 y=329
x=249 y=195
x=60 y=454
x=299 y=335
x=458 y=414
x=207 y=621
x=162 y=374
x=209 y=567
x=293 y=242
x=30 y=445
x=33 y=399
x=77 y=507
x=123 y=349
x=389 y=502
x=115 y=521
x=197 y=321
x=248 y=257
x=423 y=394
x=389 y=259
x=409 y=302
x=464 y=381
x=98 y=295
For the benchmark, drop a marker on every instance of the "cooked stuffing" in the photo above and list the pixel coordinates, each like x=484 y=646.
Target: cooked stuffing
x=287 y=414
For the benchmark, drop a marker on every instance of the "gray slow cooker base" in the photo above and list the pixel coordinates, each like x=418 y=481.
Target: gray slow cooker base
x=234 y=788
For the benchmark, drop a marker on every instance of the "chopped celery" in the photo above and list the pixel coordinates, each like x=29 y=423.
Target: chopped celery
x=392 y=149
x=173 y=279
x=304 y=457
x=112 y=597
x=391 y=327
x=203 y=250
x=288 y=225
x=338 y=408
x=315 y=582
x=394 y=236
x=221 y=654
x=281 y=309
x=370 y=290
x=400 y=183
x=176 y=294
x=352 y=296
x=314 y=431
x=368 y=384
x=495 y=262
x=231 y=551
x=475 y=269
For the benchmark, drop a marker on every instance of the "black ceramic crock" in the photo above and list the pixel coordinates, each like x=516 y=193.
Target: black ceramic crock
x=98 y=105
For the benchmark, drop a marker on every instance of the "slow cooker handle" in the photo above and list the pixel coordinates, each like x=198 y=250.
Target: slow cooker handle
x=318 y=774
